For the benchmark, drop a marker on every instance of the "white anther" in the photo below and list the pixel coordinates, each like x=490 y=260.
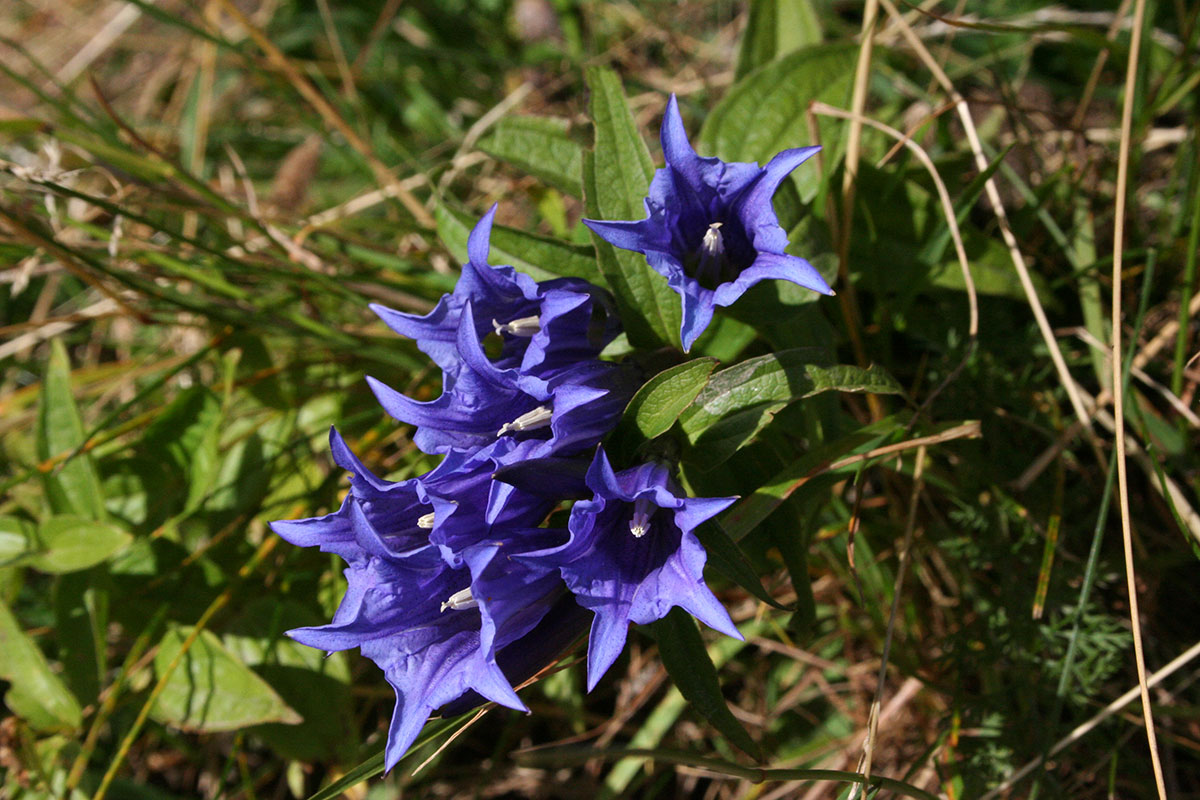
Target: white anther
x=461 y=600
x=529 y=421
x=713 y=243
x=523 y=326
x=639 y=523
x=425 y=521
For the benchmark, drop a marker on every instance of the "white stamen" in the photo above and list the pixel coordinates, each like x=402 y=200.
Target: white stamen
x=529 y=421
x=713 y=243
x=460 y=601
x=425 y=521
x=523 y=326
x=639 y=524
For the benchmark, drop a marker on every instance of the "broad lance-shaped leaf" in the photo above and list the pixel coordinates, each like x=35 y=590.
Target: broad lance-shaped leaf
x=740 y=401
x=210 y=689
x=660 y=401
x=36 y=695
x=616 y=178
x=540 y=146
x=687 y=662
x=775 y=29
x=539 y=257
x=72 y=487
x=735 y=401
x=68 y=544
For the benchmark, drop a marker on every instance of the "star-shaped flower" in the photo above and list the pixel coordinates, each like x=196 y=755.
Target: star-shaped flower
x=632 y=556
x=486 y=404
x=542 y=326
x=435 y=593
x=710 y=228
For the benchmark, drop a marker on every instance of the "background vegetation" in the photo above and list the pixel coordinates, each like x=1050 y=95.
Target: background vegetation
x=199 y=199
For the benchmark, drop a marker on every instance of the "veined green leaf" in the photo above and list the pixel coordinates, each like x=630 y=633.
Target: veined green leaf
x=37 y=695
x=739 y=401
x=72 y=487
x=616 y=178
x=211 y=689
x=660 y=401
x=776 y=28
x=765 y=112
x=68 y=543
x=539 y=146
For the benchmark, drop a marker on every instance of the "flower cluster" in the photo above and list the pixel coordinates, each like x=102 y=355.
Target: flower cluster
x=454 y=580
x=710 y=228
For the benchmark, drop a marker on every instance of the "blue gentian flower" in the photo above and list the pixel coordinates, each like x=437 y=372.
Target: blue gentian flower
x=710 y=229
x=571 y=410
x=632 y=556
x=434 y=593
x=542 y=326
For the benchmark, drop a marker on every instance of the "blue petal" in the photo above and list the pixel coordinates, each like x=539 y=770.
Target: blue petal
x=479 y=242
x=605 y=643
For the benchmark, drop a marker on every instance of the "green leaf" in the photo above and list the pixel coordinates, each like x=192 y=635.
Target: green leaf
x=80 y=621
x=16 y=538
x=72 y=487
x=211 y=689
x=616 y=178
x=741 y=400
x=37 y=695
x=660 y=401
x=750 y=511
x=776 y=28
x=687 y=662
x=765 y=112
x=315 y=684
x=539 y=257
x=68 y=544
x=726 y=557
x=541 y=147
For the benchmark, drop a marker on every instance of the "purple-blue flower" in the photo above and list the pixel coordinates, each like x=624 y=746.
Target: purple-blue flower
x=632 y=556
x=710 y=229
x=508 y=407
x=542 y=326
x=434 y=592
